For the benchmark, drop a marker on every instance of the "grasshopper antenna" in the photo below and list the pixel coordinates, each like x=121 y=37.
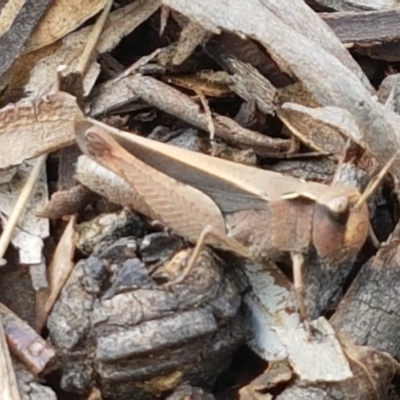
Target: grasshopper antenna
x=378 y=179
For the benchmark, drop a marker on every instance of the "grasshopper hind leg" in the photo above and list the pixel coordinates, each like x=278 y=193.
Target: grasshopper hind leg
x=217 y=237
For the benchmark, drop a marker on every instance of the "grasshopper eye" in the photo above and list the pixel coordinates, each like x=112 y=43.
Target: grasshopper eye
x=339 y=230
x=339 y=208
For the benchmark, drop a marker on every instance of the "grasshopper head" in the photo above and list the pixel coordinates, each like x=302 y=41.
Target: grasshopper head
x=340 y=228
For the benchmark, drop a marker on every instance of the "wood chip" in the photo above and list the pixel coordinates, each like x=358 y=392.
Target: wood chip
x=25 y=344
x=30 y=231
x=63 y=17
x=276 y=331
x=13 y=35
x=60 y=268
x=36 y=72
x=324 y=129
x=41 y=125
x=326 y=78
x=8 y=387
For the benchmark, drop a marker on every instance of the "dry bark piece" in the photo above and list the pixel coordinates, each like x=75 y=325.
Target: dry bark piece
x=324 y=129
x=277 y=373
x=176 y=103
x=70 y=79
x=227 y=46
x=364 y=29
x=326 y=78
x=9 y=387
x=59 y=270
x=210 y=83
x=7 y=174
x=357 y=5
x=63 y=17
x=42 y=125
x=25 y=344
x=173 y=102
x=66 y=202
x=30 y=386
x=296 y=93
x=132 y=330
x=71 y=197
x=191 y=36
x=247 y=157
x=307 y=23
x=186 y=392
x=109 y=96
x=114 y=94
x=374 y=373
x=43 y=76
x=28 y=189
x=371 y=299
x=389 y=93
x=88 y=235
x=246 y=80
x=319 y=169
x=25 y=17
x=276 y=333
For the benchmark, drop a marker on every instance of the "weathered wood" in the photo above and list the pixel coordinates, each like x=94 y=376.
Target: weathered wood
x=228 y=45
x=354 y=5
x=321 y=73
x=368 y=312
x=176 y=103
x=365 y=28
x=299 y=17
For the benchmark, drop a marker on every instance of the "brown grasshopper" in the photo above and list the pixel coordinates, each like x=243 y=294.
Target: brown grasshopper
x=247 y=210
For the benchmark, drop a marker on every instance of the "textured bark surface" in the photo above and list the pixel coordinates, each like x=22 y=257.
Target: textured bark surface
x=113 y=321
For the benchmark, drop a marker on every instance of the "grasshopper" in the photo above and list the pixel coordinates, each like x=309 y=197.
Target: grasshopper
x=253 y=212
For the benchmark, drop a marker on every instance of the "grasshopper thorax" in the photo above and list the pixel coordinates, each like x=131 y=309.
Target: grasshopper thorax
x=340 y=228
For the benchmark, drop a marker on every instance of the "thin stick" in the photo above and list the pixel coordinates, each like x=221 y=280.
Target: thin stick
x=139 y=63
x=93 y=39
x=207 y=111
x=20 y=205
x=374 y=183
